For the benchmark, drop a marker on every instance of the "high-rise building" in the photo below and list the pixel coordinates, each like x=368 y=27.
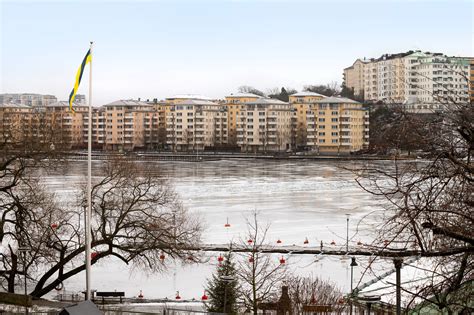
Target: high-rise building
x=413 y=77
x=354 y=77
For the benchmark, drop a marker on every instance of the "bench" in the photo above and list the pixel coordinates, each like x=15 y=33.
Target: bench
x=105 y=294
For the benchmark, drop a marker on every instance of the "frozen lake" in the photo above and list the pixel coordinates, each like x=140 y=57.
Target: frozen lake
x=298 y=199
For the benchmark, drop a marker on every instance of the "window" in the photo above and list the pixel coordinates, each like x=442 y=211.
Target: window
x=322 y=127
x=334 y=141
x=334 y=127
x=321 y=134
x=334 y=119
x=322 y=141
x=334 y=134
x=321 y=119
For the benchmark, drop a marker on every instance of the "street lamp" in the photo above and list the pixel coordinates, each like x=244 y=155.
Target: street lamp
x=226 y=280
x=353 y=264
x=347 y=231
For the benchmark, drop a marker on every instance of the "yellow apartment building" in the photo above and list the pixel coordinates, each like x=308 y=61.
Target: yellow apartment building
x=302 y=103
x=126 y=124
x=337 y=126
x=354 y=77
x=264 y=125
x=234 y=103
x=194 y=125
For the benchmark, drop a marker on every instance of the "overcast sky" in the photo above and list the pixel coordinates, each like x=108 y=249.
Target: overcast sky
x=156 y=49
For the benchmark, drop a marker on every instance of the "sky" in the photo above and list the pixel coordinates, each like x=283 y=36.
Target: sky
x=156 y=49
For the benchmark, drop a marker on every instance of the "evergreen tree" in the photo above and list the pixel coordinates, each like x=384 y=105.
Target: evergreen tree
x=222 y=292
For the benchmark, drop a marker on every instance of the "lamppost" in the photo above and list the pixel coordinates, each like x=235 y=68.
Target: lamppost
x=353 y=264
x=226 y=280
x=347 y=231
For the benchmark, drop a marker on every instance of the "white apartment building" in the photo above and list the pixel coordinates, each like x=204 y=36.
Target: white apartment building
x=264 y=125
x=413 y=77
x=195 y=124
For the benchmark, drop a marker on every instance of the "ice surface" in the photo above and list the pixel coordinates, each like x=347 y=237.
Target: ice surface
x=298 y=199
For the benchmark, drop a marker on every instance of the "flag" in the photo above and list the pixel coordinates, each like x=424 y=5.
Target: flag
x=72 y=96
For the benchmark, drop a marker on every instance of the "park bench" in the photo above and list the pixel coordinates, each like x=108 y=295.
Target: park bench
x=113 y=294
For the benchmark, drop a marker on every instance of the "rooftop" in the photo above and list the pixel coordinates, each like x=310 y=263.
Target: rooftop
x=307 y=93
x=198 y=102
x=243 y=95
x=128 y=103
x=267 y=101
x=333 y=100
x=190 y=96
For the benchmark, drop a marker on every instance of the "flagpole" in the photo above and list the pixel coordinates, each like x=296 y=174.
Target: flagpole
x=88 y=214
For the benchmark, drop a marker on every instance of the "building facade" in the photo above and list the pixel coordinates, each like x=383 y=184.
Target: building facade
x=354 y=78
x=234 y=103
x=301 y=103
x=337 y=125
x=413 y=77
x=196 y=125
x=264 y=125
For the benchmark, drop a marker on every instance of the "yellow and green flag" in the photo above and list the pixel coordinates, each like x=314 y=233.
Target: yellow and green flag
x=72 y=96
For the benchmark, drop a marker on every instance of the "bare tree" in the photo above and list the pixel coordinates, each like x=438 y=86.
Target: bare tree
x=430 y=204
x=260 y=275
x=137 y=218
x=311 y=290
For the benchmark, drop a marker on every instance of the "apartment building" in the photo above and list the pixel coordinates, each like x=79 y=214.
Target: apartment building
x=28 y=99
x=52 y=124
x=234 y=103
x=471 y=80
x=127 y=124
x=413 y=77
x=195 y=125
x=354 y=78
x=301 y=102
x=264 y=125
x=337 y=125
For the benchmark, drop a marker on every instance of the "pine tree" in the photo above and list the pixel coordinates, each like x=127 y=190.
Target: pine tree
x=222 y=291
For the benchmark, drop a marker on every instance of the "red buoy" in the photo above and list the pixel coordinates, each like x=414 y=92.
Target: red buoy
x=250 y=241
x=306 y=241
x=282 y=260
x=204 y=297
x=178 y=297
x=360 y=243
x=162 y=257
x=333 y=243
x=140 y=295
x=220 y=259
x=251 y=259
x=227 y=223
x=278 y=241
x=54 y=226
x=94 y=255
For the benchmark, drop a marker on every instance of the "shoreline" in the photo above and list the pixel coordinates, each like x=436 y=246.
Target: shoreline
x=211 y=156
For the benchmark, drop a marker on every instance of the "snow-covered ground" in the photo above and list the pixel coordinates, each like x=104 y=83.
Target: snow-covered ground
x=298 y=199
